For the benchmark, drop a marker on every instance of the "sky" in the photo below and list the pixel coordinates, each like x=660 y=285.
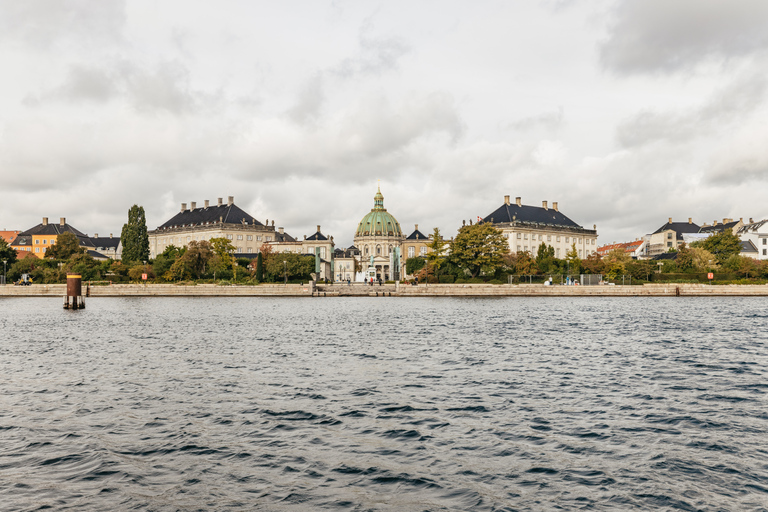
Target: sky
x=625 y=112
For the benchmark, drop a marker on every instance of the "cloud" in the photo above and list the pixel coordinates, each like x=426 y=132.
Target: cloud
x=376 y=56
x=546 y=121
x=729 y=105
x=309 y=102
x=649 y=36
x=42 y=23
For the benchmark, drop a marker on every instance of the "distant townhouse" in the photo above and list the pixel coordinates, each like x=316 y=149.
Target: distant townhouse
x=669 y=236
x=756 y=234
x=9 y=236
x=38 y=239
x=221 y=220
x=527 y=227
x=416 y=244
x=728 y=224
x=634 y=249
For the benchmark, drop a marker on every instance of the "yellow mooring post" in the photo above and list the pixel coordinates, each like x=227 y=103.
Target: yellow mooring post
x=74 y=298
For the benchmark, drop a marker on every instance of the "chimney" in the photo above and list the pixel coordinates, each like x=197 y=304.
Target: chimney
x=544 y=205
x=273 y=224
x=506 y=200
x=183 y=207
x=751 y=221
x=554 y=206
x=62 y=221
x=281 y=230
x=519 y=201
x=417 y=226
x=110 y=235
x=193 y=205
x=464 y=222
x=45 y=221
x=741 y=219
x=690 y=220
x=305 y=237
x=206 y=203
x=726 y=221
x=318 y=228
x=230 y=200
x=95 y=235
x=670 y=220
x=221 y=201
x=714 y=222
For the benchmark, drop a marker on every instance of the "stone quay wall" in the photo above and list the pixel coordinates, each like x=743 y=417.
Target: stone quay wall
x=390 y=290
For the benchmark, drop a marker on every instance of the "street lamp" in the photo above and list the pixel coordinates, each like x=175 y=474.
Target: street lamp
x=285 y=272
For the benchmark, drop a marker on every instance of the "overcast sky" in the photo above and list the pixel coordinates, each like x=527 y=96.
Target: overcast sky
x=626 y=112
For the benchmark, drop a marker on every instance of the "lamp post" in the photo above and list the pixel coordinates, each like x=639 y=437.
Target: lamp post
x=285 y=272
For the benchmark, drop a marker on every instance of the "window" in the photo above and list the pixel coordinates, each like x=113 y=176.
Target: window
x=539 y=238
x=37 y=249
x=411 y=252
x=423 y=251
x=239 y=249
x=669 y=236
x=593 y=241
x=378 y=250
x=519 y=236
x=579 y=253
x=669 y=244
x=229 y=237
x=558 y=239
x=567 y=239
x=250 y=249
x=549 y=238
x=557 y=251
x=526 y=248
x=764 y=239
x=765 y=251
x=268 y=239
x=239 y=237
x=322 y=252
x=249 y=237
x=187 y=239
x=258 y=238
x=519 y=248
x=37 y=242
x=525 y=236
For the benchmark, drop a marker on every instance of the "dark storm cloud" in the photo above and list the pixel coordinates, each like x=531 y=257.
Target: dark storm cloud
x=41 y=23
x=669 y=36
x=727 y=106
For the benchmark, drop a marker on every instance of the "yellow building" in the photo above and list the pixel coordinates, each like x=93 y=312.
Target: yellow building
x=39 y=238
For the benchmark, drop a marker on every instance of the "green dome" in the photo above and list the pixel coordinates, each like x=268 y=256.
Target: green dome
x=379 y=222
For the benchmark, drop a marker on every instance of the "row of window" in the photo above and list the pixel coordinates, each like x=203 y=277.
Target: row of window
x=412 y=251
x=229 y=237
x=576 y=240
x=524 y=248
x=53 y=240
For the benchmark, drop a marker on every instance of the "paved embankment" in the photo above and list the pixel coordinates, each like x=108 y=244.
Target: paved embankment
x=161 y=290
x=391 y=290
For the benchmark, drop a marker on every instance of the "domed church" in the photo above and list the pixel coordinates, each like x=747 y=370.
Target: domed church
x=379 y=239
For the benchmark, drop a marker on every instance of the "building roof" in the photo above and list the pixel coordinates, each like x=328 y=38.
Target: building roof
x=628 y=247
x=748 y=247
x=9 y=236
x=51 y=229
x=679 y=228
x=417 y=235
x=283 y=237
x=512 y=212
x=752 y=226
x=665 y=256
x=96 y=255
x=227 y=213
x=22 y=240
x=718 y=228
x=317 y=236
x=378 y=222
x=105 y=242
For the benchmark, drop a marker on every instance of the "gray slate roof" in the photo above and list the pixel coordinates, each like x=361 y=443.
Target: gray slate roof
x=679 y=228
x=529 y=214
x=748 y=247
x=51 y=229
x=230 y=213
x=417 y=235
x=718 y=228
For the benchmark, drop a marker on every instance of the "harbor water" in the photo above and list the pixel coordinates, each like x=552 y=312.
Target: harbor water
x=384 y=404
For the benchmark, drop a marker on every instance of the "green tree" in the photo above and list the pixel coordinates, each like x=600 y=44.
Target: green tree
x=702 y=259
x=593 y=264
x=67 y=245
x=572 y=260
x=684 y=259
x=297 y=266
x=259 y=268
x=479 y=248
x=413 y=265
x=84 y=265
x=7 y=254
x=165 y=260
x=615 y=263
x=134 y=236
x=436 y=256
x=545 y=258
x=722 y=245
x=136 y=272
x=223 y=250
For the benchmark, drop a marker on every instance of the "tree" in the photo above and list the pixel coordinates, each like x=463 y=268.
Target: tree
x=259 y=268
x=134 y=236
x=413 y=265
x=573 y=263
x=479 y=248
x=702 y=259
x=67 y=245
x=545 y=257
x=7 y=254
x=722 y=245
x=593 y=264
x=84 y=265
x=296 y=266
x=615 y=263
x=436 y=256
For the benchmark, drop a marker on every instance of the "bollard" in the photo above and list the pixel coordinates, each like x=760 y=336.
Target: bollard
x=74 y=298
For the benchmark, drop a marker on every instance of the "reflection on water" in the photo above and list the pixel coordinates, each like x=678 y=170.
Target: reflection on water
x=384 y=404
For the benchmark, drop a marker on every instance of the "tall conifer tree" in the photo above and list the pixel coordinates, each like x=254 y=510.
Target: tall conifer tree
x=134 y=236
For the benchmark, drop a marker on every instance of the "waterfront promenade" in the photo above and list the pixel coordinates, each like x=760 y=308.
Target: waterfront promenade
x=389 y=290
